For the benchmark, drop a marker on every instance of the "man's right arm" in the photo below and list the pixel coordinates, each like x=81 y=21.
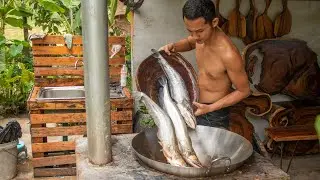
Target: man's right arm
x=183 y=45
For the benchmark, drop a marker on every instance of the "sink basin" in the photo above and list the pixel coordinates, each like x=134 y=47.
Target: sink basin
x=72 y=92
x=54 y=93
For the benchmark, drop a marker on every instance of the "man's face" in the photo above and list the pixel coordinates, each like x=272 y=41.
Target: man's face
x=199 y=29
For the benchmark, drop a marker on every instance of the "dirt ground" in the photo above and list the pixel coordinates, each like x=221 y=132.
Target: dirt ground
x=302 y=167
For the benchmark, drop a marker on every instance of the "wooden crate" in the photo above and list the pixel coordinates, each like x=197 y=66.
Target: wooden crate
x=54 y=62
x=53 y=119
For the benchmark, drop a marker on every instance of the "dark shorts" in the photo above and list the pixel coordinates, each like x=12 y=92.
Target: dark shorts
x=219 y=118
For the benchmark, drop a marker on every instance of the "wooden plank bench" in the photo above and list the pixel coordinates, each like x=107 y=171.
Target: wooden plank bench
x=56 y=123
x=291 y=133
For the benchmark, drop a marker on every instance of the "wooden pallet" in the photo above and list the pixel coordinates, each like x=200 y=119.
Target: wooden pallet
x=53 y=119
x=54 y=62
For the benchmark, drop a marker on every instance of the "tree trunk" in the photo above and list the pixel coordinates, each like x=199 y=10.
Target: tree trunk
x=26 y=51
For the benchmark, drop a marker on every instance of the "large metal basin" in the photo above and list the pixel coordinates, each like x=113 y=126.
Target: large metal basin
x=72 y=92
x=219 y=150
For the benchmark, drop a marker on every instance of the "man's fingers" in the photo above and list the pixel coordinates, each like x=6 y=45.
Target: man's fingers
x=198 y=104
x=166 y=49
x=197 y=113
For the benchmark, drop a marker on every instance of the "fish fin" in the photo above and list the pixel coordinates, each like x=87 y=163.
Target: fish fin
x=161 y=97
x=163 y=81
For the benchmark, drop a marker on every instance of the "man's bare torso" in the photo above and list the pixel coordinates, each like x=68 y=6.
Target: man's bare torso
x=213 y=79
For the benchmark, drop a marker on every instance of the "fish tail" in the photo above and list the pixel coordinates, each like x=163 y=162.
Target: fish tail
x=188 y=116
x=155 y=53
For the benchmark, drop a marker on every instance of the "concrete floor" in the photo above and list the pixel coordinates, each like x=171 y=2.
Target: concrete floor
x=302 y=167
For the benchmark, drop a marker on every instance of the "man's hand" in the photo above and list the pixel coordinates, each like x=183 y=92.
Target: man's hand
x=169 y=48
x=202 y=108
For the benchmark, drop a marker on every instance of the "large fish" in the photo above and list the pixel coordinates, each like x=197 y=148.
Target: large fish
x=178 y=90
x=166 y=134
x=193 y=79
x=180 y=127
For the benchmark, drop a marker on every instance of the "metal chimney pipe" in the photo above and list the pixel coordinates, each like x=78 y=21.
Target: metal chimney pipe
x=96 y=72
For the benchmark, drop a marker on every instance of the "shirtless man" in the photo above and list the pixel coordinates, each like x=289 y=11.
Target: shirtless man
x=219 y=63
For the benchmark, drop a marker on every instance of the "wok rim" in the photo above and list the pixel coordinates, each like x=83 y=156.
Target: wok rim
x=199 y=172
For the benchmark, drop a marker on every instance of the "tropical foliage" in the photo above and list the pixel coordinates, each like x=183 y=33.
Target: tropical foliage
x=53 y=17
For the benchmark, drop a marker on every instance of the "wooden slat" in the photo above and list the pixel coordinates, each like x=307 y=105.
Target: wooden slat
x=56 y=50
x=52 y=39
x=58 y=131
x=48 y=71
x=47 y=82
x=76 y=104
x=69 y=61
x=51 y=172
x=32 y=98
x=76 y=130
x=53 y=146
x=121 y=129
x=122 y=103
x=293 y=133
x=121 y=115
x=54 y=160
x=62 y=50
x=57 y=61
x=45 y=71
x=75 y=117
x=51 y=105
x=38 y=139
x=57 y=118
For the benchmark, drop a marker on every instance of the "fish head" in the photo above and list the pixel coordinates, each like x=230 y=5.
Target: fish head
x=193 y=161
x=174 y=158
x=177 y=162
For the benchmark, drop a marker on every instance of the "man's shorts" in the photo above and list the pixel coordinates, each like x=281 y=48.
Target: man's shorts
x=219 y=118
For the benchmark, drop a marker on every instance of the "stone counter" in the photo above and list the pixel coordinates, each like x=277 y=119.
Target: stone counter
x=125 y=165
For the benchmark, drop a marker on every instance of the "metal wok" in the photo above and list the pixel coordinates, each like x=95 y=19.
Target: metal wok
x=219 y=150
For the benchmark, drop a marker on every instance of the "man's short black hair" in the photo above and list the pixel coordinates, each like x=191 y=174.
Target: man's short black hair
x=194 y=9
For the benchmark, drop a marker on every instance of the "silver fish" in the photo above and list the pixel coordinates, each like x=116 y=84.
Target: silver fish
x=178 y=90
x=166 y=134
x=194 y=83
x=180 y=127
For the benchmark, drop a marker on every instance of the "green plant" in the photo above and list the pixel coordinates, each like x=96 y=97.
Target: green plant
x=11 y=53
x=12 y=13
x=51 y=15
x=16 y=78
x=147 y=121
x=15 y=84
x=128 y=62
x=317 y=125
x=58 y=16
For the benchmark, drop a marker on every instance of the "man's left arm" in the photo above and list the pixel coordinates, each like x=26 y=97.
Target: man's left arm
x=236 y=72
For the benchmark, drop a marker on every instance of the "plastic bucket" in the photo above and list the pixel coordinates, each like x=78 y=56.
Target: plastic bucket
x=8 y=160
